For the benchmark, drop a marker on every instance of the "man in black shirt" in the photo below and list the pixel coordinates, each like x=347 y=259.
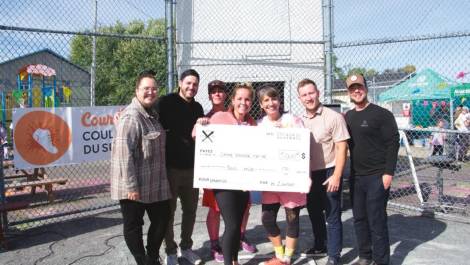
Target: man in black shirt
x=373 y=148
x=178 y=113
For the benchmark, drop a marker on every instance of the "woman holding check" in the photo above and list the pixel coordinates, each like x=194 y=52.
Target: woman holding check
x=271 y=201
x=233 y=203
x=217 y=96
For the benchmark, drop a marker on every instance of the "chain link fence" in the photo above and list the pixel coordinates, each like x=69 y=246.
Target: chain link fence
x=415 y=66
x=46 y=60
x=413 y=58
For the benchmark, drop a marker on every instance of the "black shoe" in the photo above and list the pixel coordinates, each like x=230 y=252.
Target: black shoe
x=362 y=261
x=332 y=261
x=313 y=252
x=150 y=260
x=140 y=260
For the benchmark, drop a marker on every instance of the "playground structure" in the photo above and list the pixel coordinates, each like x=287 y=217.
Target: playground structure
x=37 y=86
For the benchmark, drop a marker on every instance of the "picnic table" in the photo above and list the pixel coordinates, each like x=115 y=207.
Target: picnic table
x=20 y=179
x=37 y=178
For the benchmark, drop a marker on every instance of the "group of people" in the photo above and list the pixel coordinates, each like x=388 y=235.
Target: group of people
x=153 y=159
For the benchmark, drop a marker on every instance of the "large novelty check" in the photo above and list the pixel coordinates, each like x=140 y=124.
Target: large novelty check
x=252 y=158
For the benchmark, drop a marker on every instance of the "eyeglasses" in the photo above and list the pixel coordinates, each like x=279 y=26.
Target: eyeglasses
x=149 y=88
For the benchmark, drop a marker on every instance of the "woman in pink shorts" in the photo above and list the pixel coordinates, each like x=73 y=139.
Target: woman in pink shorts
x=291 y=201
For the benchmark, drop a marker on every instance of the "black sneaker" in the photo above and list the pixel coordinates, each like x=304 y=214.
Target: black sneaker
x=313 y=252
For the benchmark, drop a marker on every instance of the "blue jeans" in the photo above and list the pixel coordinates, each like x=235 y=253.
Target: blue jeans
x=321 y=204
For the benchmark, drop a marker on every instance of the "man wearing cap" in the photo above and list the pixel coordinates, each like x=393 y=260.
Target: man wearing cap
x=328 y=146
x=178 y=113
x=373 y=148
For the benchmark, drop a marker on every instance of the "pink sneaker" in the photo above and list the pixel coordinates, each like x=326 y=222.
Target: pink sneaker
x=216 y=253
x=247 y=246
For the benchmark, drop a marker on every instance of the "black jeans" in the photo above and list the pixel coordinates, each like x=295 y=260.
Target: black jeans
x=133 y=219
x=321 y=203
x=369 y=202
x=232 y=205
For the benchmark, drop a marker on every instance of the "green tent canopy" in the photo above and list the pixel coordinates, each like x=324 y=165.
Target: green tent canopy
x=460 y=90
x=426 y=84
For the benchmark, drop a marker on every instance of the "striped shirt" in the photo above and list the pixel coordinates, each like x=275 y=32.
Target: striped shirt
x=138 y=156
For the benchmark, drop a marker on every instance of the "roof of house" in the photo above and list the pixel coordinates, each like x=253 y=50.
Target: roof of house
x=60 y=57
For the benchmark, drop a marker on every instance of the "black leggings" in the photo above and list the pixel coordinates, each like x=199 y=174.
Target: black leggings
x=269 y=220
x=232 y=205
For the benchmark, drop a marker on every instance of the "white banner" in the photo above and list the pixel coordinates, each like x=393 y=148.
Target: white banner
x=252 y=158
x=45 y=137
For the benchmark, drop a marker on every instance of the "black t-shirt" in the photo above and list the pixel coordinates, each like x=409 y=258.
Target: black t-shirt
x=178 y=117
x=374 y=141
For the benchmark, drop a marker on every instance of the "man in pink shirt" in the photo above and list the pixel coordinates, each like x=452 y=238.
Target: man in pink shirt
x=328 y=148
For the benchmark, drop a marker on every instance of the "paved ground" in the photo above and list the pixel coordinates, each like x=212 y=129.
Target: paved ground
x=98 y=240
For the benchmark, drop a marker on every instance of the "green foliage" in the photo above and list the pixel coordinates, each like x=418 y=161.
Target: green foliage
x=119 y=60
x=409 y=68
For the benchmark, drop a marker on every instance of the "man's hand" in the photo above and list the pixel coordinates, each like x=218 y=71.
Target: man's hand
x=333 y=183
x=133 y=196
x=387 y=180
x=203 y=121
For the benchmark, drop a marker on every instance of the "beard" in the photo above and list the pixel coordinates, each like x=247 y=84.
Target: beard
x=358 y=102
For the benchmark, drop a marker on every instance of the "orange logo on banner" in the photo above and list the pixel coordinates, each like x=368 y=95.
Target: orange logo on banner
x=41 y=137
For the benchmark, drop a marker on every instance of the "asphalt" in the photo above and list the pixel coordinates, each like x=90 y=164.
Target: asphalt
x=98 y=240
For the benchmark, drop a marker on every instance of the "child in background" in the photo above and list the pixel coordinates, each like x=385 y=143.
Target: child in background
x=438 y=139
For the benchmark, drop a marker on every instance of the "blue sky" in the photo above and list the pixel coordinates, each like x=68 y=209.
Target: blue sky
x=369 y=19
x=354 y=20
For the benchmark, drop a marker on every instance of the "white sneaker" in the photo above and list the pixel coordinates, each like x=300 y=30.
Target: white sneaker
x=43 y=138
x=190 y=256
x=171 y=259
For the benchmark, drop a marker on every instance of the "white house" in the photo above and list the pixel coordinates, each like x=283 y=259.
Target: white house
x=266 y=41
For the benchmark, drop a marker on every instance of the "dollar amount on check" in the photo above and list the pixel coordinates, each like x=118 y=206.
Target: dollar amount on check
x=252 y=158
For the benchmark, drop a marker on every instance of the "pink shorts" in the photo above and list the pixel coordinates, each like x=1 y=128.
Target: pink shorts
x=286 y=199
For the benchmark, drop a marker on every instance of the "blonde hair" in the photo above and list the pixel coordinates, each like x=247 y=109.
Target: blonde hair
x=243 y=86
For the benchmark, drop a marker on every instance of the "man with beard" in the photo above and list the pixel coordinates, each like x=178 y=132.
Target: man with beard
x=373 y=147
x=178 y=113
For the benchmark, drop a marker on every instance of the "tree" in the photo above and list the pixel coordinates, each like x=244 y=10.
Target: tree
x=339 y=73
x=119 y=60
x=409 y=68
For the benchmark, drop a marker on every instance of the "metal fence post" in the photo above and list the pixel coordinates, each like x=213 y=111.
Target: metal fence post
x=93 y=59
x=169 y=7
x=328 y=39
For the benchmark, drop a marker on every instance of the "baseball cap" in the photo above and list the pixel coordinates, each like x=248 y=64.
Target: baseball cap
x=355 y=79
x=215 y=84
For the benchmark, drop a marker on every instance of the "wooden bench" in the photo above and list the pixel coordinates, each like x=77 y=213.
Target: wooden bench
x=17 y=176
x=46 y=184
x=6 y=207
